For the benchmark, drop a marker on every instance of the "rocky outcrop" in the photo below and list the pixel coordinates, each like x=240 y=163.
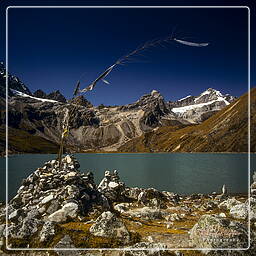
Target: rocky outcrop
x=40 y=94
x=56 y=95
x=108 y=225
x=154 y=108
x=229 y=203
x=146 y=213
x=240 y=211
x=13 y=83
x=82 y=101
x=148 y=102
x=215 y=232
x=69 y=210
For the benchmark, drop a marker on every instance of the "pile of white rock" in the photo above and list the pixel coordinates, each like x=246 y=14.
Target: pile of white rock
x=53 y=195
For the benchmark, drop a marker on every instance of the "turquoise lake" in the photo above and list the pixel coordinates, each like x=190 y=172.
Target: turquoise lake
x=182 y=173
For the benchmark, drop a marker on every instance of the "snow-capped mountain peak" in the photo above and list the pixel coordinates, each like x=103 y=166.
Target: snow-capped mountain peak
x=209 y=101
x=209 y=95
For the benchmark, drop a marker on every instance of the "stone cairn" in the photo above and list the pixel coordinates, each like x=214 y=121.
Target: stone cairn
x=51 y=195
x=49 y=188
x=111 y=187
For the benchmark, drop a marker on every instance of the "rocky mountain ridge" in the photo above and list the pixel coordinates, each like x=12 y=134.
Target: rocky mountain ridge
x=100 y=128
x=55 y=95
x=205 y=97
x=198 y=109
x=226 y=131
x=13 y=83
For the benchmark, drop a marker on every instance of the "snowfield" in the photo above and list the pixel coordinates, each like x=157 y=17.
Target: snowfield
x=28 y=96
x=195 y=106
x=184 y=98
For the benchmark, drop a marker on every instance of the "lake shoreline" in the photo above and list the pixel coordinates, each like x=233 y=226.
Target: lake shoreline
x=2 y=155
x=180 y=173
x=65 y=206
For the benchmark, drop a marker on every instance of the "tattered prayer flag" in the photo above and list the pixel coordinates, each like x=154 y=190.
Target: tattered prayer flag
x=105 y=81
x=190 y=43
x=76 y=89
x=136 y=52
x=101 y=77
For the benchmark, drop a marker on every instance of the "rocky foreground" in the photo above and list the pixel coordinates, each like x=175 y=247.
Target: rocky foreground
x=63 y=208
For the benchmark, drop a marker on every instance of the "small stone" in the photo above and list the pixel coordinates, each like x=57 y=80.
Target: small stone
x=47 y=232
x=239 y=211
x=14 y=215
x=68 y=210
x=173 y=217
x=146 y=213
x=113 y=185
x=142 y=198
x=121 y=207
x=42 y=210
x=71 y=209
x=29 y=227
x=252 y=208
x=53 y=162
x=53 y=207
x=47 y=199
x=58 y=216
x=66 y=242
x=169 y=225
x=150 y=239
x=20 y=189
x=68 y=159
x=222 y=215
x=70 y=175
x=228 y=204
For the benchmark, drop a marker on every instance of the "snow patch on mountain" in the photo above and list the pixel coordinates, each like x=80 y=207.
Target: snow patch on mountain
x=195 y=106
x=184 y=98
x=28 y=96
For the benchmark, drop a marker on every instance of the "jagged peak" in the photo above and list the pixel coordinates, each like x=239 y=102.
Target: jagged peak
x=154 y=92
x=211 y=91
x=81 y=100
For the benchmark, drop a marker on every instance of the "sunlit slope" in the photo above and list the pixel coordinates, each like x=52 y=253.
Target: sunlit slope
x=226 y=131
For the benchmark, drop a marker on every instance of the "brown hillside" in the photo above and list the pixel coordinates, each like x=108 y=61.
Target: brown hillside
x=226 y=131
x=22 y=141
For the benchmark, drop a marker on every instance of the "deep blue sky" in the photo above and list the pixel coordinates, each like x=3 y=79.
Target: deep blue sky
x=51 y=48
